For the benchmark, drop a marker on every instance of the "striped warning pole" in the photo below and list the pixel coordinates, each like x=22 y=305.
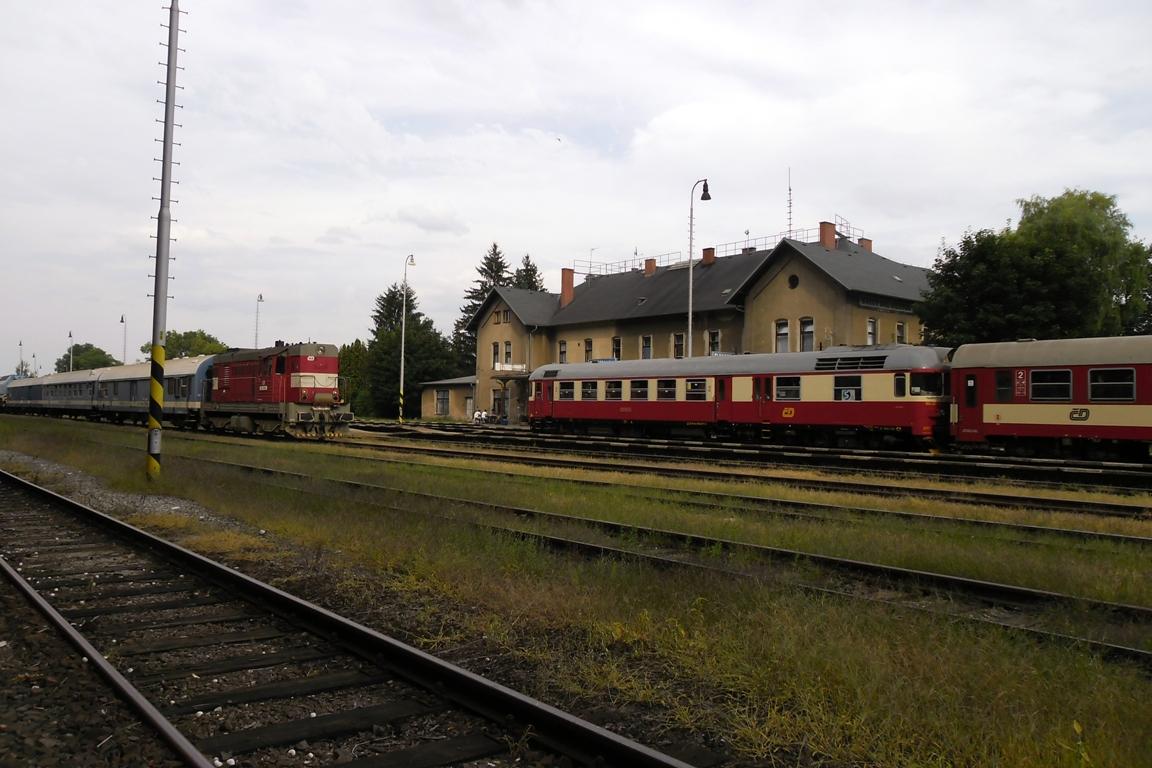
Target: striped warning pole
x=163 y=236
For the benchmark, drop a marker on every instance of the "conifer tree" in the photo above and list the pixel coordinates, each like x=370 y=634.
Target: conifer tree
x=493 y=271
x=528 y=276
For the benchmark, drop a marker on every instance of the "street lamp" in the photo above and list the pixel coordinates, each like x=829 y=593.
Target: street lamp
x=124 y=354
x=35 y=365
x=691 y=222
x=21 y=370
x=259 y=301
x=410 y=261
x=69 y=351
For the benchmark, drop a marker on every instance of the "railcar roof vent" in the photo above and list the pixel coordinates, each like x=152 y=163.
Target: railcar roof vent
x=551 y=373
x=852 y=363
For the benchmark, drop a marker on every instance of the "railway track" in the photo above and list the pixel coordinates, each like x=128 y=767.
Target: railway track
x=951 y=595
x=1118 y=477
x=222 y=665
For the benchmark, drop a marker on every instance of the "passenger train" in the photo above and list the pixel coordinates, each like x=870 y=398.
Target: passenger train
x=288 y=389
x=1088 y=397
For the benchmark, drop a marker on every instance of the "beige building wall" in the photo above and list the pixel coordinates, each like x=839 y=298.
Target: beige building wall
x=502 y=370
x=631 y=335
x=459 y=397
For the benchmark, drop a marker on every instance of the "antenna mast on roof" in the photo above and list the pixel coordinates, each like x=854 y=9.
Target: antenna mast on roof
x=789 y=201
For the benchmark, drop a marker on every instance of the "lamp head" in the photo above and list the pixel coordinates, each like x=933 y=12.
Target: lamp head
x=705 y=196
x=411 y=260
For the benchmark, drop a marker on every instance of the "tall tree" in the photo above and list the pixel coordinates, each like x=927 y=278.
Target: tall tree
x=353 y=360
x=528 y=276
x=427 y=354
x=188 y=344
x=493 y=271
x=1068 y=270
x=84 y=357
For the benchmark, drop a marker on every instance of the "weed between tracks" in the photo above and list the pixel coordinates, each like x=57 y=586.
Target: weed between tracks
x=778 y=674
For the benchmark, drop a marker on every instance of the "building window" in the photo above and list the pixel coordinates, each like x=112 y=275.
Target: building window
x=495 y=354
x=1112 y=384
x=562 y=356
x=505 y=314
x=666 y=389
x=615 y=347
x=696 y=389
x=638 y=389
x=901 y=334
x=847 y=388
x=496 y=317
x=508 y=352
x=567 y=391
x=807 y=334
x=1051 y=385
x=678 y=345
x=713 y=342
x=871 y=335
x=645 y=347
x=441 y=402
x=588 y=390
x=781 y=335
x=787 y=388
x=587 y=350
x=613 y=390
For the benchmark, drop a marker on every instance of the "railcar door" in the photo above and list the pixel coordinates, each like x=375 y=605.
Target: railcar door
x=967 y=417
x=762 y=392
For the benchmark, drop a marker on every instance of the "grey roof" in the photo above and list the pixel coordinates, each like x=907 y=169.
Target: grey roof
x=631 y=295
x=458 y=381
x=1118 y=350
x=861 y=270
x=531 y=307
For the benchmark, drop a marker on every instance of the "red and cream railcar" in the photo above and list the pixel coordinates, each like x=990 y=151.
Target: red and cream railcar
x=286 y=388
x=867 y=395
x=1074 y=396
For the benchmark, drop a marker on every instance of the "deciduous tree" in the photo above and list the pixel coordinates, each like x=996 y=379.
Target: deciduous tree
x=188 y=344
x=84 y=357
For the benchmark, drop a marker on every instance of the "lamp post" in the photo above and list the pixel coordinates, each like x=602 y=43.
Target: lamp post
x=410 y=261
x=20 y=370
x=124 y=353
x=69 y=351
x=691 y=223
x=259 y=301
x=35 y=365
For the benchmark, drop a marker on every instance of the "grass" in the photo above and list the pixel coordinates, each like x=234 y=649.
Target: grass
x=777 y=673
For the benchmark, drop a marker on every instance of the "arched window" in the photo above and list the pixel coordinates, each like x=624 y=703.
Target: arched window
x=782 y=336
x=807 y=334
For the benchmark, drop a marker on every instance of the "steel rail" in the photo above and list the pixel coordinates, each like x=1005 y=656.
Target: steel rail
x=577 y=738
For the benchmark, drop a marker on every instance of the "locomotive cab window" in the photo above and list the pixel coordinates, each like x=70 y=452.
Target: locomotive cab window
x=588 y=390
x=1112 y=384
x=638 y=389
x=926 y=383
x=787 y=387
x=280 y=365
x=696 y=389
x=666 y=389
x=613 y=390
x=567 y=390
x=1051 y=385
x=847 y=388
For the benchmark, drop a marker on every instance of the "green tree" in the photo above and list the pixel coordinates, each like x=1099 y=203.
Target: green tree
x=188 y=344
x=85 y=357
x=427 y=354
x=493 y=271
x=354 y=372
x=528 y=276
x=1067 y=270
x=23 y=369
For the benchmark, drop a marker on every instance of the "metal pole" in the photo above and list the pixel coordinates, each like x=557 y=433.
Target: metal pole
x=691 y=222
x=259 y=301
x=163 y=234
x=70 y=351
x=411 y=260
x=21 y=368
x=124 y=353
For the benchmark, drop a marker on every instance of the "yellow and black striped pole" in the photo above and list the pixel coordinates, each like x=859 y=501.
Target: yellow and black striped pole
x=163 y=237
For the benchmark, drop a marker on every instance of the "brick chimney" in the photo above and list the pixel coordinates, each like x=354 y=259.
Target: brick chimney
x=649 y=267
x=567 y=286
x=866 y=244
x=828 y=235
x=709 y=257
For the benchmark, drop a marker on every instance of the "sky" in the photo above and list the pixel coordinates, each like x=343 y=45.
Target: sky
x=321 y=143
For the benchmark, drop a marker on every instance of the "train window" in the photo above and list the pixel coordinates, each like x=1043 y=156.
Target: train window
x=847 y=388
x=1112 y=384
x=567 y=390
x=666 y=389
x=537 y=390
x=899 y=385
x=787 y=387
x=1051 y=385
x=696 y=389
x=613 y=390
x=926 y=383
x=280 y=365
x=184 y=386
x=721 y=391
x=638 y=389
x=970 y=391
x=588 y=390
x=1004 y=386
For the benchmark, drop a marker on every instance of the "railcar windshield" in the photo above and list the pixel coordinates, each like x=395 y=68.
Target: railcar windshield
x=927 y=383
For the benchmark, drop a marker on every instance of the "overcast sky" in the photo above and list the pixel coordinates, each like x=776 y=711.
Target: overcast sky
x=322 y=142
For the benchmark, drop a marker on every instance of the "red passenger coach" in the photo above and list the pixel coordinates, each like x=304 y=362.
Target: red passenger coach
x=845 y=395
x=292 y=389
x=1090 y=397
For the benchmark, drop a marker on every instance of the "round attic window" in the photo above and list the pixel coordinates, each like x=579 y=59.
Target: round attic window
x=793 y=281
